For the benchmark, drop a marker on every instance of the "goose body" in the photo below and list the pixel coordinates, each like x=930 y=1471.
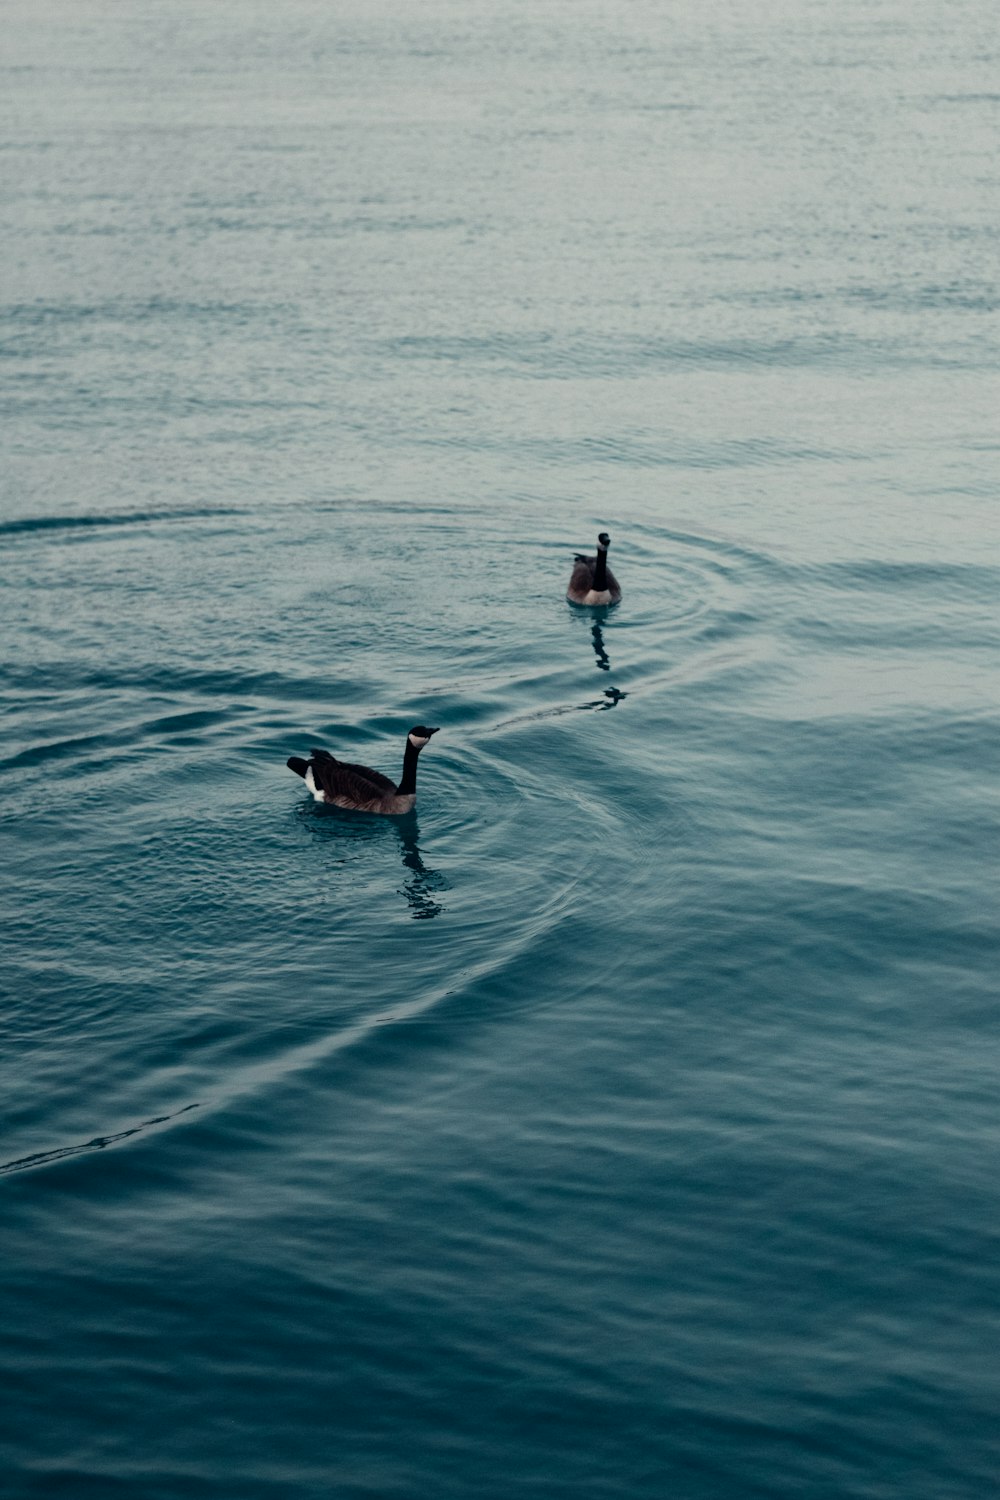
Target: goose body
x=343 y=784
x=592 y=581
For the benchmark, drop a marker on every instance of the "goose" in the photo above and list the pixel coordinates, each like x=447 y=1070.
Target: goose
x=344 y=785
x=592 y=581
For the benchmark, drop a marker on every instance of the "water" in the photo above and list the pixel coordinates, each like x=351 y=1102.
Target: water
x=622 y=1124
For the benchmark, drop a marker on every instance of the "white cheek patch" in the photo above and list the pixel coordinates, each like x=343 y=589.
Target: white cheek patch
x=310 y=782
x=417 y=741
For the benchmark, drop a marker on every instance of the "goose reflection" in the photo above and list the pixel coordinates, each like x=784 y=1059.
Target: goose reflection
x=603 y=659
x=611 y=698
x=612 y=695
x=346 y=834
x=422 y=883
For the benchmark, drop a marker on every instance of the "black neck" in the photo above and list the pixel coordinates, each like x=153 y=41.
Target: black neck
x=601 y=569
x=408 y=780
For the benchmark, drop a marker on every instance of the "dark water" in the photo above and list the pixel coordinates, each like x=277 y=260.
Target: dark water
x=624 y=1123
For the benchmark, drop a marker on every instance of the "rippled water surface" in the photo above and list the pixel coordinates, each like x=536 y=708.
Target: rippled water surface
x=622 y=1123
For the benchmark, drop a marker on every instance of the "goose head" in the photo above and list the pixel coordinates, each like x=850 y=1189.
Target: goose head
x=419 y=735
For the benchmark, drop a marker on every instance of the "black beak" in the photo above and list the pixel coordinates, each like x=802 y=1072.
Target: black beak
x=434 y=731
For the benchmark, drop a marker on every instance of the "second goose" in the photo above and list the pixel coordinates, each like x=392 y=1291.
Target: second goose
x=346 y=785
x=592 y=581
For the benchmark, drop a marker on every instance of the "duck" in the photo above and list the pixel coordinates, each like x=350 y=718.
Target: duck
x=592 y=581
x=342 y=784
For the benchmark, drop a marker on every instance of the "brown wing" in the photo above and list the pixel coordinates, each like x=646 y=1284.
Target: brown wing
x=582 y=576
x=337 y=778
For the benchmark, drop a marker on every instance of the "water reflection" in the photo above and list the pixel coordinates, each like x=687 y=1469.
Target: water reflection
x=603 y=659
x=422 y=883
x=352 y=831
x=612 y=695
x=611 y=699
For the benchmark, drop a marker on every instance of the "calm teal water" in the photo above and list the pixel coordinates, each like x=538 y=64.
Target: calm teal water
x=624 y=1123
